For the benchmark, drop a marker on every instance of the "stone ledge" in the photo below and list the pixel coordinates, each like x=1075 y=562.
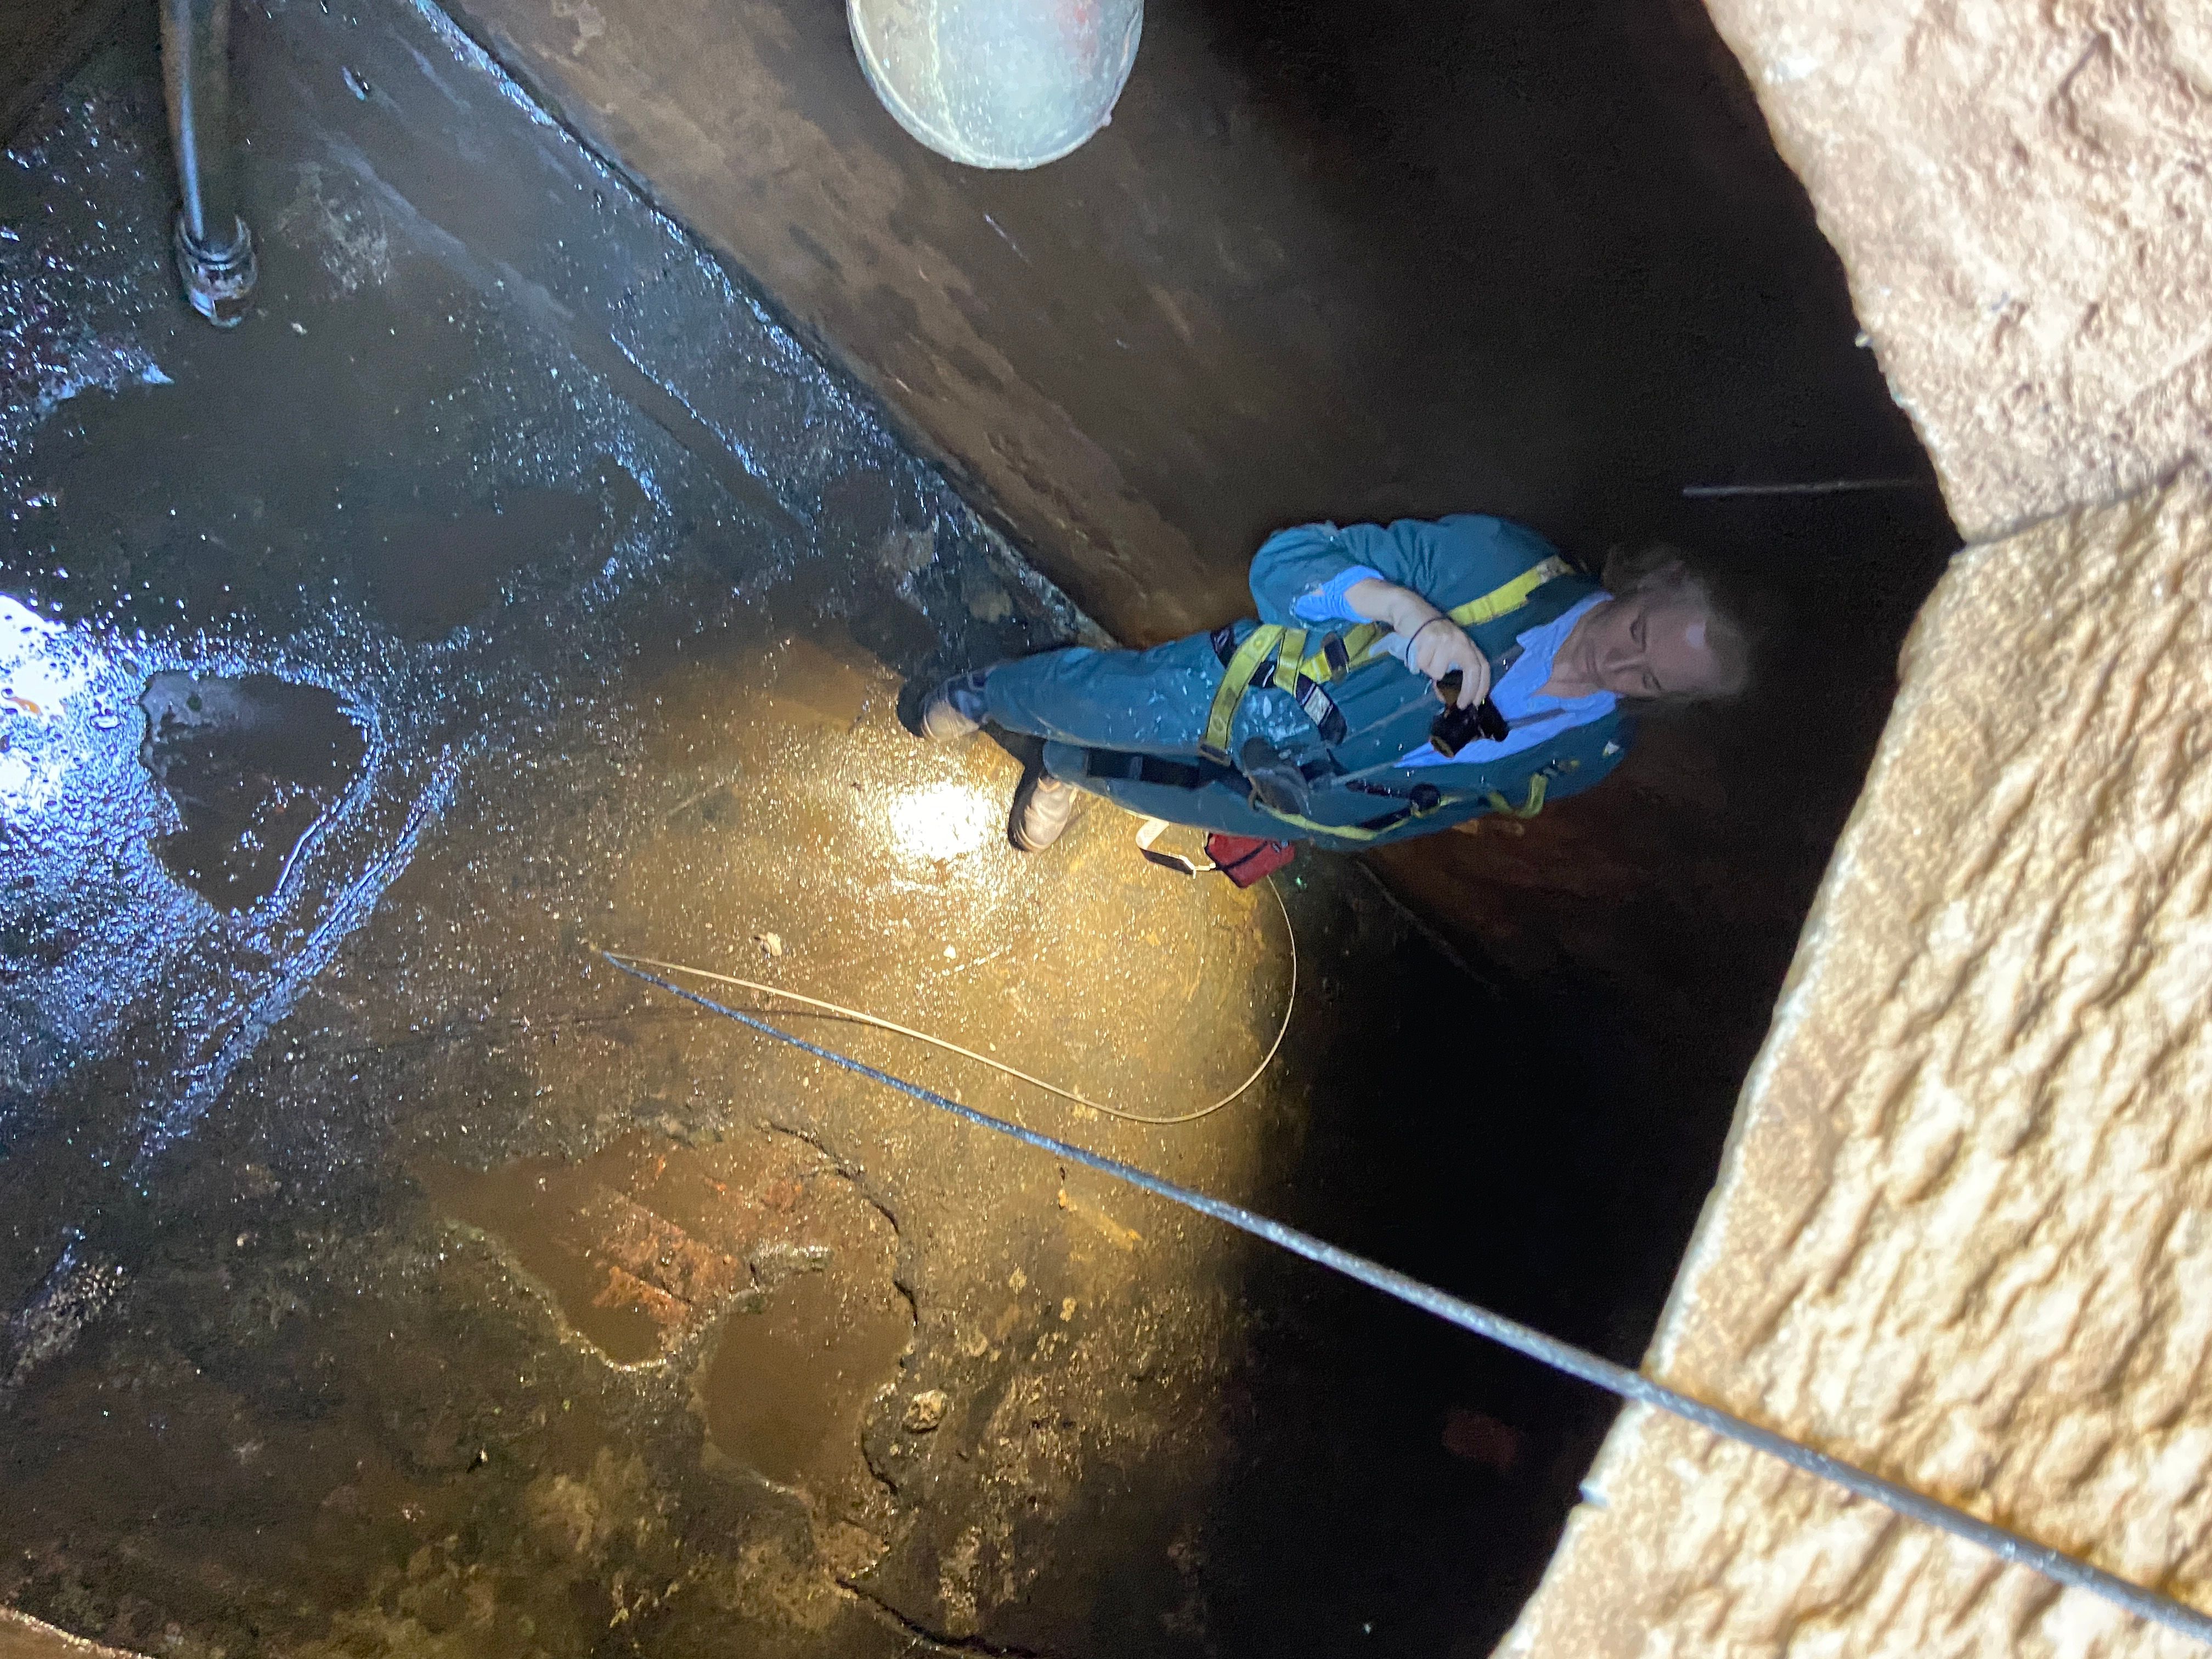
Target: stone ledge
x=2022 y=196
x=1966 y=1216
x=23 y=1636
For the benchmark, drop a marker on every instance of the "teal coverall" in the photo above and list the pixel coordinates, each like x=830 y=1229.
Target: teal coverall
x=1128 y=724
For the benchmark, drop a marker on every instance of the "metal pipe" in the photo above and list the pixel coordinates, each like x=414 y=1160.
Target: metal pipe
x=214 y=247
x=2001 y=1542
x=1831 y=487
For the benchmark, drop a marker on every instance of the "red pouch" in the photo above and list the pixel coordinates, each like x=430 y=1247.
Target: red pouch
x=1245 y=858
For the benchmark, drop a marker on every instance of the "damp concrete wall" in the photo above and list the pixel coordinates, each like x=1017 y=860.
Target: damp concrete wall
x=40 y=41
x=1959 y=1234
x=1350 y=262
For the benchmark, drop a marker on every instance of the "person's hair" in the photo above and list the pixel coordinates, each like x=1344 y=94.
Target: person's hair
x=1665 y=574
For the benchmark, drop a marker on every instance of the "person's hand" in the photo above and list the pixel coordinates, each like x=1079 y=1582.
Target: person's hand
x=1435 y=645
x=1439 y=646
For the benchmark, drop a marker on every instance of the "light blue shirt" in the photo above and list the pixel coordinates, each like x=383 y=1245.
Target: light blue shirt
x=1534 y=716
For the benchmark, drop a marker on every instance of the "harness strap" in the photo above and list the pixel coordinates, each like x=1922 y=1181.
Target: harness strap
x=1512 y=595
x=1359 y=644
x=1274 y=654
x=1424 y=799
x=1135 y=768
x=1269 y=656
x=1418 y=807
x=1370 y=830
x=1527 y=809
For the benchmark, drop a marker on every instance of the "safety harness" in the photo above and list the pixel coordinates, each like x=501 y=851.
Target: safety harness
x=1272 y=655
x=1420 y=801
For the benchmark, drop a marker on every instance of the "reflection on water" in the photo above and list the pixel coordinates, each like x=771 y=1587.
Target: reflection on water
x=943 y=820
x=42 y=672
x=251 y=764
x=452 y=662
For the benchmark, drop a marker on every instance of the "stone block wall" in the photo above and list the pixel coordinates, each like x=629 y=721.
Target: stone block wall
x=1961 y=1234
x=2022 y=196
x=1964 y=1227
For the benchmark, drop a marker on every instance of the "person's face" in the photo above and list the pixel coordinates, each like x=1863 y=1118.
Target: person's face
x=1645 y=646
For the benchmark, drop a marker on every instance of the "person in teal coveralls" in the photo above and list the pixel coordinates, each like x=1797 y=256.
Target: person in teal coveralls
x=1324 y=731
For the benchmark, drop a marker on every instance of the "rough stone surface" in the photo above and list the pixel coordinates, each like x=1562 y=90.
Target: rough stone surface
x=2022 y=199
x=1963 y=1229
x=22 y=1638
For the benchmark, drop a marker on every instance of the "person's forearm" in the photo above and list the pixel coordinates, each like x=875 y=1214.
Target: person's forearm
x=1400 y=609
x=1427 y=648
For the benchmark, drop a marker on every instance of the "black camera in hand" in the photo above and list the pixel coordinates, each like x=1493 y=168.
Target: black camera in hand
x=1455 y=729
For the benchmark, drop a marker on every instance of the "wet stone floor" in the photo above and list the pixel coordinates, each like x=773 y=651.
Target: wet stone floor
x=381 y=1274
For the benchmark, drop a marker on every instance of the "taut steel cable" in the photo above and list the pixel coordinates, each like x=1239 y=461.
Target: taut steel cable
x=2006 y=1546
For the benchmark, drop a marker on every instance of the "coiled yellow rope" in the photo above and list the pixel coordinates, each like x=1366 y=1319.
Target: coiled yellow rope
x=891 y=1025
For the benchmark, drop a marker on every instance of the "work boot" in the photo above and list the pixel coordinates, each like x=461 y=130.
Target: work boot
x=955 y=708
x=1042 y=807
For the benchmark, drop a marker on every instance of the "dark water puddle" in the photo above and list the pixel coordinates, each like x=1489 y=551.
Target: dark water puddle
x=554 y=1216
x=794 y=1373
x=251 y=764
x=644 y=1244
x=429 y=574
x=829 y=679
